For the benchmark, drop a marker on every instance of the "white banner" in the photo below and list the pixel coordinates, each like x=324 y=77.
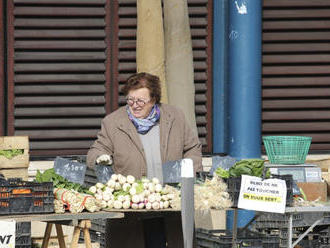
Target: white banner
x=262 y=195
x=7 y=234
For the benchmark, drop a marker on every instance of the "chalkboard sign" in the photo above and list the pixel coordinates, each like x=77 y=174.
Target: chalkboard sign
x=103 y=173
x=71 y=170
x=172 y=171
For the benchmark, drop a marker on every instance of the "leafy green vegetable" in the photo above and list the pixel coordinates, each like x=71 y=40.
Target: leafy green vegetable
x=222 y=172
x=252 y=167
x=9 y=154
x=59 y=181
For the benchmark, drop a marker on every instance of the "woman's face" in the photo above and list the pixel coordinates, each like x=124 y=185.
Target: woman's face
x=139 y=102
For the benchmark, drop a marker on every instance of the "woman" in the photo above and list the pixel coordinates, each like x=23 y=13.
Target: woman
x=141 y=136
x=137 y=140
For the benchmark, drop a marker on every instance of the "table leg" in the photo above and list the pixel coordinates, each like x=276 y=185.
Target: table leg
x=48 y=231
x=290 y=231
x=87 y=238
x=234 y=231
x=60 y=236
x=84 y=225
x=75 y=237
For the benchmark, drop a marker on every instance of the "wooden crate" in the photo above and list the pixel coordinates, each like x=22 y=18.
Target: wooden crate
x=315 y=190
x=15 y=142
x=15 y=172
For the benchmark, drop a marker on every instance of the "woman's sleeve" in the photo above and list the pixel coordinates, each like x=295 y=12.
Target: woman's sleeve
x=102 y=145
x=192 y=146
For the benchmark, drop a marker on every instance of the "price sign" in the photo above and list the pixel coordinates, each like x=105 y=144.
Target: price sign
x=71 y=170
x=7 y=234
x=262 y=195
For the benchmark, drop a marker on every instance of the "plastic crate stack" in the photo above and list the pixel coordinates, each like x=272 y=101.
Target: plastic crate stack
x=245 y=238
x=98 y=229
x=23 y=235
x=277 y=224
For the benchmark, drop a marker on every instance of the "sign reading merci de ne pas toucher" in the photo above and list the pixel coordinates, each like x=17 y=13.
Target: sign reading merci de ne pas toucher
x=267 y=195
x=7 y=234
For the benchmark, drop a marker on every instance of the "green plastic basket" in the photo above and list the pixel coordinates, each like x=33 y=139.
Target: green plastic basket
x=287 y=149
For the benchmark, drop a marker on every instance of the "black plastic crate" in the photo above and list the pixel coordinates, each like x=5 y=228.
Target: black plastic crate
x=233 y=188
x=222 y=238
x=289 y=187
x=23 y=234
x=22 y=197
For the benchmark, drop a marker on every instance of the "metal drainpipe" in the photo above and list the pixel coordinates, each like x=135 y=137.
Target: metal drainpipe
x=245 y=32
x=220 y=76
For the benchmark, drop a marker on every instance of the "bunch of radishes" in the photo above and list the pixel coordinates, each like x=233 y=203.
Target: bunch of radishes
x=122 y=192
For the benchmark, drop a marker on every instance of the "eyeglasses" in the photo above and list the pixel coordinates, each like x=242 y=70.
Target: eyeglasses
x=140 y=102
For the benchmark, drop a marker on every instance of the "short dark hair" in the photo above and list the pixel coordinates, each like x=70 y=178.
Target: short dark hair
x=144 y=80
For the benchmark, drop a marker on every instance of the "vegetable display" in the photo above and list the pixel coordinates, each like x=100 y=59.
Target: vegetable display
x=122 y=192
x=9 y=154
x=252 y=167
x=59 y=181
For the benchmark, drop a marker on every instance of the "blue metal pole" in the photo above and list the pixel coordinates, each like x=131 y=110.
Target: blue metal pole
x=245 y=32
x=220 y=76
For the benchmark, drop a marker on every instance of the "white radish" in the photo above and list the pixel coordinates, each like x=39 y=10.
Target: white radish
x=98 y=197
x=158 y=197
x=151 y=187
x=110 y=204
x=148 y=205
x=121 y=198
x=132 y=191
x=166 y=204
x=161 y=205
x=135 y=198
x=151 y=198
x=146 y=193
x=111 y=183
x=135 y=206
x=114 y=177
x=117 y=186
x=126 y=204
x=127 y=198
x=155 y=180
x=103 y=204
x=130 y=179
x=106 y=197
x=117 y=204
x=141 y=205
x=121 y=179
x=158 y=187
x=99 y=185
x=92 y=189
x=155 y=205
x=126 y=187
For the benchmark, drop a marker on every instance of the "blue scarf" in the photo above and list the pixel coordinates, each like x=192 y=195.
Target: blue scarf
x=144 y=125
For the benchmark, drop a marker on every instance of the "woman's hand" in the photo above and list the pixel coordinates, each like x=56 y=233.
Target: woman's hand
x=104 y=159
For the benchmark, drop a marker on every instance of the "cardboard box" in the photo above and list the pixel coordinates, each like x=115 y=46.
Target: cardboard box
x=315 y=190
x=211 y=219
x=15 y=142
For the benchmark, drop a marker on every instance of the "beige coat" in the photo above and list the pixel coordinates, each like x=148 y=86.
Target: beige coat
x=118 y=137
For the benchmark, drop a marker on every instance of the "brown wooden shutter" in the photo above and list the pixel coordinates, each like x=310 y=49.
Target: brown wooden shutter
x=58 y=72
x=296 y=70
x=200 y=12
x=2 y=78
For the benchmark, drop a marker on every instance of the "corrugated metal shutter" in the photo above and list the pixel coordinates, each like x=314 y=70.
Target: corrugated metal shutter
x=200 y=12
x=58 y=72
x=296 y=70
